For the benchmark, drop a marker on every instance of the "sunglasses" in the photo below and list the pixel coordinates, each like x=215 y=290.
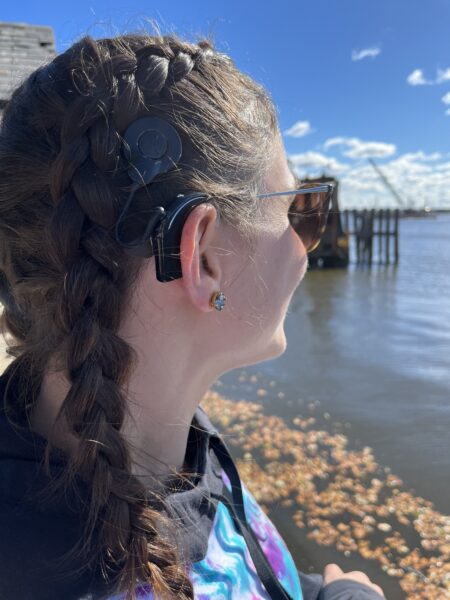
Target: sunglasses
x=156 y=230
x=308 y=212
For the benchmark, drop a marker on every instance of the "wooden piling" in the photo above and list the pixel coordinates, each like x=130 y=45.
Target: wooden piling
x=380 y=236
x=372 y=219
x=388 y=235
x=356 y=234
x=364 y=225
x=396 y=234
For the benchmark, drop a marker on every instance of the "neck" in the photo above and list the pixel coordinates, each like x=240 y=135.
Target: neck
x=177 y=361
x=161 y=402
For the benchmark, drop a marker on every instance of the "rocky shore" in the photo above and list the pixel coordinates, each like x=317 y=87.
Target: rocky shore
x=339 y=498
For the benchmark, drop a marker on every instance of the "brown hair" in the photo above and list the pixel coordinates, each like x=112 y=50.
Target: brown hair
x=63 y=182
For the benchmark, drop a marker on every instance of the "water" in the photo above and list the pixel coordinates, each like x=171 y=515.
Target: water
x=371 y=347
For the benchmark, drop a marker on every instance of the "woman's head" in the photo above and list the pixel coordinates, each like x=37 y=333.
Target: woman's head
x=76 y=297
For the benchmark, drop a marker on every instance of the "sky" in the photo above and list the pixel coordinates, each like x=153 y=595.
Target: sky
x=353 y=81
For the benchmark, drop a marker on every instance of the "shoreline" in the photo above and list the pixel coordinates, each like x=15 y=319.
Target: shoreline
x=333 y=503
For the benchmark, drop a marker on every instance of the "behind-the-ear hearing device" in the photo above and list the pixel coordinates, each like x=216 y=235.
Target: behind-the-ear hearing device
x=152 y=146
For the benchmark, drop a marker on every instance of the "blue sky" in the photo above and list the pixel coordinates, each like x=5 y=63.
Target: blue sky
x=351 y=79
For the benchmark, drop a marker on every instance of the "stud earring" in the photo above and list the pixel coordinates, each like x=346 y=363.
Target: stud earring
x=218 y=300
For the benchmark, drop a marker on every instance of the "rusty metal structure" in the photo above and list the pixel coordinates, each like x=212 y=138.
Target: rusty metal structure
x=333 y=250
x=361 y=227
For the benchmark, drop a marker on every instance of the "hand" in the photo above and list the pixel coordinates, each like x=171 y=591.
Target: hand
x=333 y=572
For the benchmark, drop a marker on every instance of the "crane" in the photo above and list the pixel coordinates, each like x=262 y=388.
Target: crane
x=387 y=183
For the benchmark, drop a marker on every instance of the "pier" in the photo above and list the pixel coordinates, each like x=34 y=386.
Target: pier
x=369 y=225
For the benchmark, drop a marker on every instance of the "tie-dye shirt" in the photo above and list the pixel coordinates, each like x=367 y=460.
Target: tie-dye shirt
x=227 y=571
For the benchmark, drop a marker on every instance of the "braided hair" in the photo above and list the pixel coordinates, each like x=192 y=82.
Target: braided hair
x=66 y=281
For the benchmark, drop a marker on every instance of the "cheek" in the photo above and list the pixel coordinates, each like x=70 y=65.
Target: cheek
x=286 y=265
x=278 y=267
x=296 y=240
x=299 y=253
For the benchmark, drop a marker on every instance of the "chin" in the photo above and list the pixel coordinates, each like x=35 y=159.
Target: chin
x=276 y=348
x=282 y=341
x=279 y=343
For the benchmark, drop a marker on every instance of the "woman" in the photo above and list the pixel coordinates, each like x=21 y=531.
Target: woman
x=137 y=179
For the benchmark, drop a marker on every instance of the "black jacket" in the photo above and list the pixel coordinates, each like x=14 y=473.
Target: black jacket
x=234 y=549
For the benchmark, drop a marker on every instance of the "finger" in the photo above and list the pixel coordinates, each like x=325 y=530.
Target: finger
x=331 y=572
x=378 y=589
x=359 y=575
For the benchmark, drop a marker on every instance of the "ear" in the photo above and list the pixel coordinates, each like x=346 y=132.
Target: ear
x=200 y=262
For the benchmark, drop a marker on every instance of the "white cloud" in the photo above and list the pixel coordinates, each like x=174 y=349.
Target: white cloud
x=447 y=112
x=365 y=53
x=443 y=75
x=315 y=163
x=422 y=156
x=363 y=188
x=420 y=178
x=356 y=148
x=299 y=129
x=417 y=78
x=446 y=98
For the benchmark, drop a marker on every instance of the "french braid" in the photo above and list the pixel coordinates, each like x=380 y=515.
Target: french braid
x=69 y=280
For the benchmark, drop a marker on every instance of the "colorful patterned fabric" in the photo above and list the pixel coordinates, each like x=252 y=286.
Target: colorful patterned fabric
x=227 y=572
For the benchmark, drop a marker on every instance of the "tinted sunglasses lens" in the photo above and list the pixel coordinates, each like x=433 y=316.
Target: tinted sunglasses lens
x=308 y=215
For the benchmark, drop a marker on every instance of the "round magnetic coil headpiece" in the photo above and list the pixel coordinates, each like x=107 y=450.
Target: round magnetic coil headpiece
x=152 y=146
